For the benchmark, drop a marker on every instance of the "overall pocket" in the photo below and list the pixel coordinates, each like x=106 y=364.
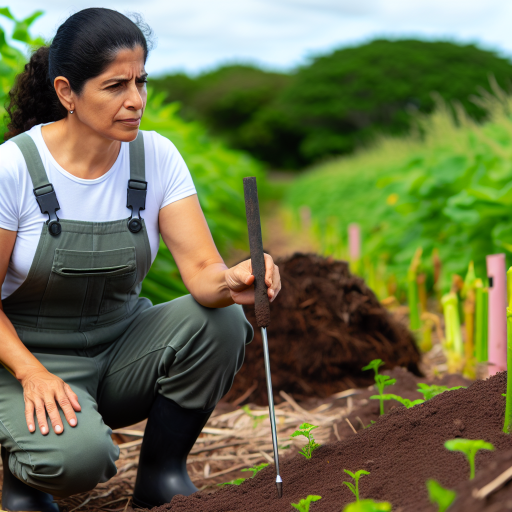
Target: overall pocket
x=89 y=283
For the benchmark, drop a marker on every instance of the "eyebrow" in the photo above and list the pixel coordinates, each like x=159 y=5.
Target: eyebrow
x=122 y=79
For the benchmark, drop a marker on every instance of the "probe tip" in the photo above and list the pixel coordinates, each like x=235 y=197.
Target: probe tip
x=279 y=485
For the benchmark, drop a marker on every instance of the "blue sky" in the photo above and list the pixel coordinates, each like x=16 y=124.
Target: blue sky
x=193 y=35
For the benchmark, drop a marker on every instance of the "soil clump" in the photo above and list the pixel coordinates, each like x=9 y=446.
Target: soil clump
x=401 y=450
x=326 y=324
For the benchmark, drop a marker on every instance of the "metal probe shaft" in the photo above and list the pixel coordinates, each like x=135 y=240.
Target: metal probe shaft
x=271 y=410
x=261 y=302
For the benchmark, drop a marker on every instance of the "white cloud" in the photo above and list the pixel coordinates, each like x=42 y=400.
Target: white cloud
x=196 y=34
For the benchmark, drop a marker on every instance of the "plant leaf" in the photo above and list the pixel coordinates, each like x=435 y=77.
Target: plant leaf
x=437 y=494
x=351 y=487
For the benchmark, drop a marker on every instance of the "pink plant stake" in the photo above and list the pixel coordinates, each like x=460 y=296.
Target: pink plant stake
x=497 y=313
x=354 y=242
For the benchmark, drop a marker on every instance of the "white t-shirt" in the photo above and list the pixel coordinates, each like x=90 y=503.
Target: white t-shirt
x=98 y=200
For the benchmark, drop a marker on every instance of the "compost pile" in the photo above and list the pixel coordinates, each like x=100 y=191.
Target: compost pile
x=326 y=324
x=401 y=451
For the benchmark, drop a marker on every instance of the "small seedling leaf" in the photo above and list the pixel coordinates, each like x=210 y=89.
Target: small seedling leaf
x=256 y=469
x=349 y=473
x=303 y=505
x=374 y=365
x=440 y=496
x=237 y=481
x=404 y=401
x=431 y=390
x=351 y=486
x=368 y=506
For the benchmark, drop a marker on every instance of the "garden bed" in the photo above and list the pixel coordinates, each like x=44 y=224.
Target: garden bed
x=401 y=450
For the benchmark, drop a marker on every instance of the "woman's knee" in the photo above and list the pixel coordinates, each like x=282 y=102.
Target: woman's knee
x=73 y=469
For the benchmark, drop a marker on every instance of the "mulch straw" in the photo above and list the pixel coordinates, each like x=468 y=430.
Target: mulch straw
x=231 y=441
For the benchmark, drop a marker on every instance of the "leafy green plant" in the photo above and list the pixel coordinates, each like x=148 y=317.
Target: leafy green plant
x=303 y=505
x=440 y=496
x=256 y=419
x=255 y=470
x=305 y=430
x=447 y=190
x=469 y=447
x=404 y=401
x=356 y=476
x=431 y=390
x=368 y=506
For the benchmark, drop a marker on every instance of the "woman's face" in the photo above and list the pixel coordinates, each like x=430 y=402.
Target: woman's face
x=112 y=103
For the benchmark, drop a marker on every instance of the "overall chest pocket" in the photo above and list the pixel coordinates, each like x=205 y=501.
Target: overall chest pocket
x=89 y=283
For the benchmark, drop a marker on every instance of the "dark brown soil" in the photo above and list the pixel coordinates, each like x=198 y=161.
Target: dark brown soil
x=326 y=324
x=367 y=410
x=402 y=450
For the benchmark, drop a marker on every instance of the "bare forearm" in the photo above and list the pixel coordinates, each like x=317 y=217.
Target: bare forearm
x=13 y=353
x=209 y=288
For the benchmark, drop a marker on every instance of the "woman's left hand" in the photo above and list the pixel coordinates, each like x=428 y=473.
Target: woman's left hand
x=240 y=281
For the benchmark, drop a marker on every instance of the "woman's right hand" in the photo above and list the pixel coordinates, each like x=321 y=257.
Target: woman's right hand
x=44 y=392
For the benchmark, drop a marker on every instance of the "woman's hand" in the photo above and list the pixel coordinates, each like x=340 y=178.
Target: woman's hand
x=240 y=281
x=44 y=392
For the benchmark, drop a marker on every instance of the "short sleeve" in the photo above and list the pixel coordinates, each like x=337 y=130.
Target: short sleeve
x=10 y=162
x=172 y=171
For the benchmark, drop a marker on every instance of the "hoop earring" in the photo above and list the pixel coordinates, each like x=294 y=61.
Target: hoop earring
x=71 y=111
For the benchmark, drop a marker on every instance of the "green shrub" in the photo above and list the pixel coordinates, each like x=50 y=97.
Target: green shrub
x=449 y=190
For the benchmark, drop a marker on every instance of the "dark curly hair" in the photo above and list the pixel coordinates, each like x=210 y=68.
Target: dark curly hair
x=85 y=44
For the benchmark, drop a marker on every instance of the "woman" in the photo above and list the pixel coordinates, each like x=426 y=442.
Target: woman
x=84 y=198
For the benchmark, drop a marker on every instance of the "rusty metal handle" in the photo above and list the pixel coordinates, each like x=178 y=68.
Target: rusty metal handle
x=252 y=210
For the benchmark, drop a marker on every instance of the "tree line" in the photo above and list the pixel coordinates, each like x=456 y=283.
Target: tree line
x=336 y=102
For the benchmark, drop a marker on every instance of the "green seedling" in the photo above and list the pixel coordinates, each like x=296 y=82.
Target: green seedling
x=430 y=391
x=305 y=430
x=440 y=496
x=368 y=506
x=381 y=381
x=237 y=481
x=303 y=505
x=356 y=476
x=255 y=470
x=256 y=419
x=469 y=447
x=404 y=401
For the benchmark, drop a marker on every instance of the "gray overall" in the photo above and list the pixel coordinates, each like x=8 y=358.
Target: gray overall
x=80 y=314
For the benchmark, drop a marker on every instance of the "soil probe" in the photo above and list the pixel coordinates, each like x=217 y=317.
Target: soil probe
x=261 y=303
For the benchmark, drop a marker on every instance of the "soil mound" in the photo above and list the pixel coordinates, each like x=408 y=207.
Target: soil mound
x=401 y=450
x=326 y=324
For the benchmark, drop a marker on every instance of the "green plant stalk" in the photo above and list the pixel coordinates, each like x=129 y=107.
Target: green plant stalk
x=452 y=322
x=507 y=427
x=481 y=324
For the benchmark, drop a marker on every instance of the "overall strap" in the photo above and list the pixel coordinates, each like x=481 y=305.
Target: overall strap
x=43 y=189
x=137 y=184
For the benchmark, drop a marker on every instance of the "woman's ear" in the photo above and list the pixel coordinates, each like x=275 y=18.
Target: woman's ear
x=64 y=92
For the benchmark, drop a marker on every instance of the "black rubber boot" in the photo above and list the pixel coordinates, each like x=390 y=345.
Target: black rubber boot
x=19 y=496
x=170 y=433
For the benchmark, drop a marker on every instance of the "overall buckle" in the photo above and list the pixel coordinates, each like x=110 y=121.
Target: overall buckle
x=47 y=200
x=136 y=200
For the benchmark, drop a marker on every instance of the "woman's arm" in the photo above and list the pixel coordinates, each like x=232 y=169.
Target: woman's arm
x=204 y=273
x=42 y=390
